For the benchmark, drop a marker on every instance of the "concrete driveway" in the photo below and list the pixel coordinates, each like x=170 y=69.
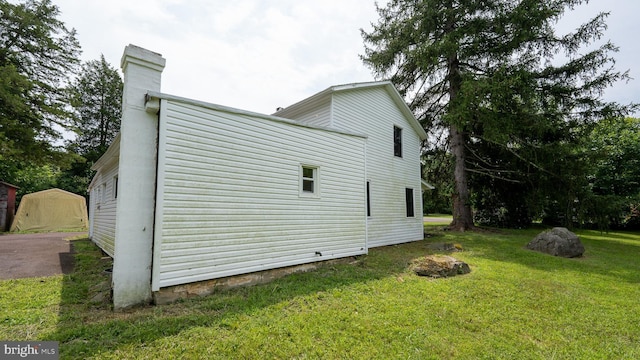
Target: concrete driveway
x=35 y=255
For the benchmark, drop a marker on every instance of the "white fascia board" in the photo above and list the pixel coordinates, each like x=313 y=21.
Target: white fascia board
x=427 y=186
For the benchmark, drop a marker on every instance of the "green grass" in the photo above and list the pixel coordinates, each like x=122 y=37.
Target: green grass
x=437 y=220
x=515 y=304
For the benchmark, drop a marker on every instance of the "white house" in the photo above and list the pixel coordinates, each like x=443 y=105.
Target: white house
x=191 y=191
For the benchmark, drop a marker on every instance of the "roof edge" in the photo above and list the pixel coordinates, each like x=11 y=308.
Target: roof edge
x=10 y=185
x=387 y=84
x=153 y=95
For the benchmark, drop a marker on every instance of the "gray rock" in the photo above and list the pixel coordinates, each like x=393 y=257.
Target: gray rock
x=558 y=241
x=437 y=266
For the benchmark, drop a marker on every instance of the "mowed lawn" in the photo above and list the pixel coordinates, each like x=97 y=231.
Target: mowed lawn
x=515 y=304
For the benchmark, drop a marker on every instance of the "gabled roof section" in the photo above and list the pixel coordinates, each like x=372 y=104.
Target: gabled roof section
x=324 y=95
x=112 y=153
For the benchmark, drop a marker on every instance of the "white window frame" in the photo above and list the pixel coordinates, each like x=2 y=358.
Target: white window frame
x=114 y=188
x=400 y=142
x=103 y=190
x=410 y=206
x=315 y=179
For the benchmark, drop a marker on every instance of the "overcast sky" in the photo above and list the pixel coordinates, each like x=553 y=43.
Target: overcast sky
x=258 y=55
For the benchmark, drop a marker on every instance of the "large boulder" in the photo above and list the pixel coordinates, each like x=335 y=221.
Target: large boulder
x=437 y=266
x=558 y=241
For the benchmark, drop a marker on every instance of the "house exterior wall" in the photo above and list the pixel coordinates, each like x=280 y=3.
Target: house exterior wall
x=372 y=111
x=102 y=207
x=207 y=192
x=229 y=197
x=314 y=114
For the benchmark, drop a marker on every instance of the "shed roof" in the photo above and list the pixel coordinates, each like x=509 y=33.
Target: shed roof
x=387 y=85
x=8 y=185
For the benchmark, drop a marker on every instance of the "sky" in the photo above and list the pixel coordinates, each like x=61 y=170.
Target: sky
x=258 y=55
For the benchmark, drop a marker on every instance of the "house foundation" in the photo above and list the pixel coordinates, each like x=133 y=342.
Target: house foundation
x=204 y=288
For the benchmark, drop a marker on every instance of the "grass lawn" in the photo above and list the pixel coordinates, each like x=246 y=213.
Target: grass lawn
x=515 y=304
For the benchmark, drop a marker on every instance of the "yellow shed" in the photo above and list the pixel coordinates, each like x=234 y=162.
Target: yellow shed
x=51 y=210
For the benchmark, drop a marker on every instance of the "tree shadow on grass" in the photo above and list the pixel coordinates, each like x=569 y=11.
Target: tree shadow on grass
x=88 y=326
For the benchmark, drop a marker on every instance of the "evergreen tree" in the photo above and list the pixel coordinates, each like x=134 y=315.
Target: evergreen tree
x=96 y=97
x=488 y=72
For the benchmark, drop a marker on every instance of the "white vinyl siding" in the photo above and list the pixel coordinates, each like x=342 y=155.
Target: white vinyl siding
x=102 y=208
x=228 y=199
x=317 y=114
x=372 y=111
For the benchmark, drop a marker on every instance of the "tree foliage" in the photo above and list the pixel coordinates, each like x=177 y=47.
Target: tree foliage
x=96 y=98
x=511 y=93
x=614 y=176
x=38 y=55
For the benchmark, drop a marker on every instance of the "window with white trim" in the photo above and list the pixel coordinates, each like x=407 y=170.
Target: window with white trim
x=103 y=193
x=408 y=194
x=368 y=198
x=397 y=141
x=115 y=187
x=309 y=180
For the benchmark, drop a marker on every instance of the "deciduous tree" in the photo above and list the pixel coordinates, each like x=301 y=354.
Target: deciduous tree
x=38 y=55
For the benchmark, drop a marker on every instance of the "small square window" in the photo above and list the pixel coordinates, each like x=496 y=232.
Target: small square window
x=397 y=141
x=309 y=180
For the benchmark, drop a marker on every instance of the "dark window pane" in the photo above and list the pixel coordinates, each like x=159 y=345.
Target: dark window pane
x=307 y=172
x=409 y=201
x=397 y=141
x=368 y=200
x=307 y=185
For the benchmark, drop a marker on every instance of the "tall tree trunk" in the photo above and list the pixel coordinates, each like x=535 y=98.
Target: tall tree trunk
x=462 y=217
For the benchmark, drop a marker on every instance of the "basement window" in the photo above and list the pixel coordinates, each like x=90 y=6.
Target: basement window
x=308 y=180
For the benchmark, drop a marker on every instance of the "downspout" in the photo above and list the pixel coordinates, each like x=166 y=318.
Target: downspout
x=153 y=105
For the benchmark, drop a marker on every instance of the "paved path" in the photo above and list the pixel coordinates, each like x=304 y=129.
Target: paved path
x=35 y=255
